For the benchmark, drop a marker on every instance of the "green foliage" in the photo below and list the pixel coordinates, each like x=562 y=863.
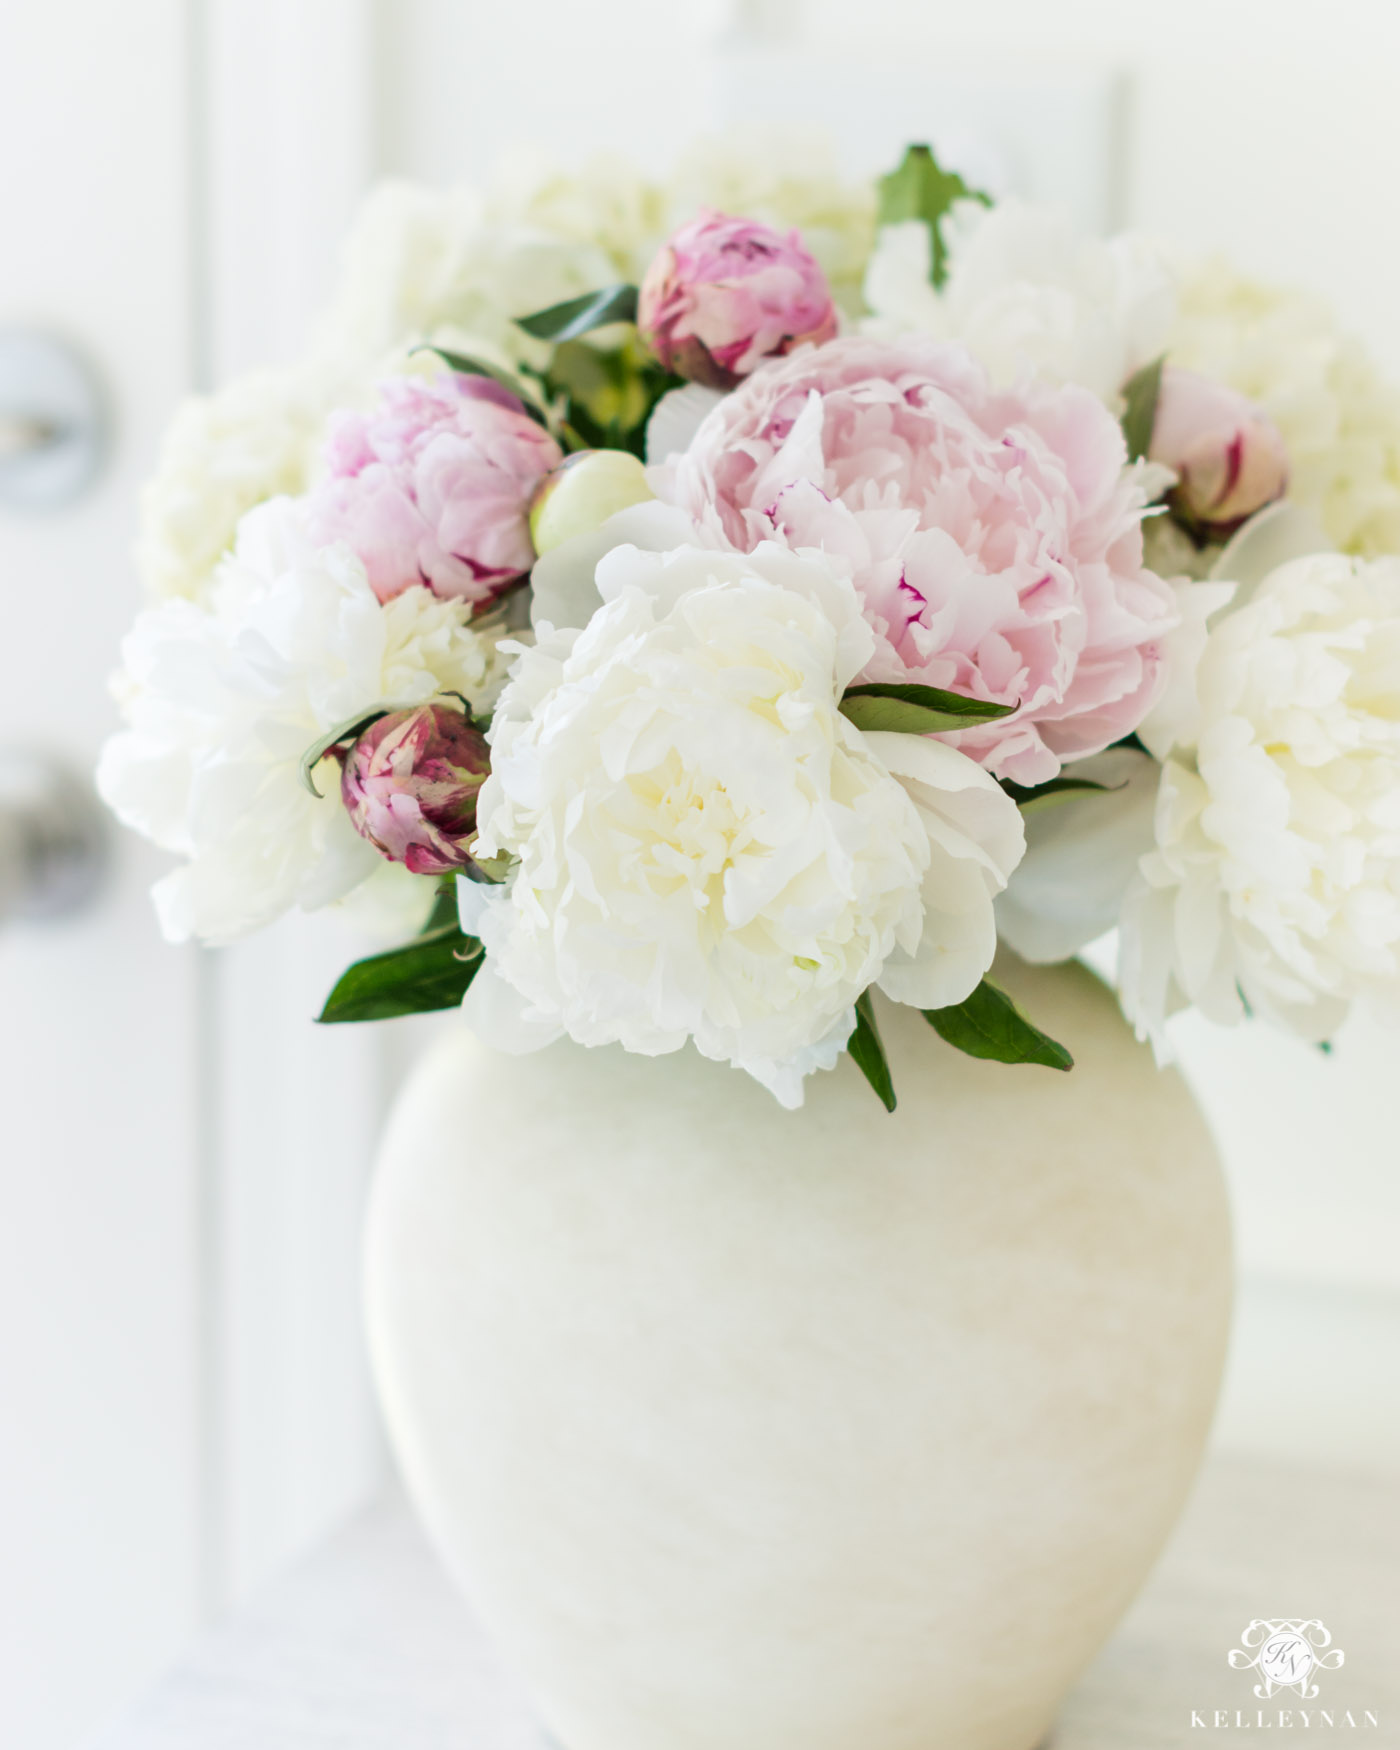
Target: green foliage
x=922 y=189
x=989 y=1025
x=611 y=394
x=350 y=730
x=433 y=972
x=1140 y=394
x=1032 y=799
x=916 y=710
x=868 y=1052
x=576 y=316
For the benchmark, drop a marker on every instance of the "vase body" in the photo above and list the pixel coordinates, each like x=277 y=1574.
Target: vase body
x=830 y=1430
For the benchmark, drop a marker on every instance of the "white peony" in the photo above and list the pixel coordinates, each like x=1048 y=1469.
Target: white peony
x=222 y=455
x=1275 y=881
x=606 y=203
x=424 y=264
x=1339 y=417
x=706 y=848
x=1026 y=290
x=221 y=702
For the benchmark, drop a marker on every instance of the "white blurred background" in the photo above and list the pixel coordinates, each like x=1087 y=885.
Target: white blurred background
x=182 y=1400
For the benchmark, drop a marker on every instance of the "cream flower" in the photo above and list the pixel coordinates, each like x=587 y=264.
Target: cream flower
x=221 y=703
x=222 y=455
x=1026 y=291
x=1339 y=418
x=1275 y=882
x=705 y=847
x=424 y=264
x=782 y=177
x=605 y=203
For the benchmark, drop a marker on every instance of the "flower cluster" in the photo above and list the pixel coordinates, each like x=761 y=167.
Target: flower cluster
x=726 y=597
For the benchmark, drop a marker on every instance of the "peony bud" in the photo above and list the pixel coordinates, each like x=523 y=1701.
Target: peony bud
x=1227 y=453
x=724 y=294
x=582 y=493
x=434 y=486
x=410 y=783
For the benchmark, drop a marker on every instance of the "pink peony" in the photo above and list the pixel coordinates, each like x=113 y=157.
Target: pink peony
x=993 y=534
x=434 y=486
x=724 y=294
x=410 y=783
x=1228 y=454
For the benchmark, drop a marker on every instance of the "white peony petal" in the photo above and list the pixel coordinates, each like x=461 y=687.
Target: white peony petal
x=676 y=418
x=1173 y=720
x=563 y=587
x=503 y=1019
x=1274 y=882
x=1081 y=856
x=1280 y=532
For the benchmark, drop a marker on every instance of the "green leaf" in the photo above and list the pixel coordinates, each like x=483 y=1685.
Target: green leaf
x=473 y=367
x=444 y=910
x=922 y=189
x=868 y=1053
x=351 y=728
x=916 y=710
x=576 y=316
x=432 y=973
x=989 y=1025
x=1031 y=799
x=1140 y=394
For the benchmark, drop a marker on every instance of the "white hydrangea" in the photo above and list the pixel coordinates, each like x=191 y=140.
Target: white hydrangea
x=222 y=701
x=1275 y=881
x=606 y=203
x=1339 y=417
x=1026 y=290
x=222 y=455
x=436 y=264
x=706 y=848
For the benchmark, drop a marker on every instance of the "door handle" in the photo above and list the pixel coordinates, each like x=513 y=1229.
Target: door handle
x=52 y=432
x=53 y=838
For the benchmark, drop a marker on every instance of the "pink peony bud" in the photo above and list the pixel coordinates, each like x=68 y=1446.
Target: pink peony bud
x=1227 y=453
x=410 y=785
x=434 y=486
x=724 y=294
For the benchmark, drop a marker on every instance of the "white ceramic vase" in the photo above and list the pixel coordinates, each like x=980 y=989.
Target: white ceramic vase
x=756 y=1430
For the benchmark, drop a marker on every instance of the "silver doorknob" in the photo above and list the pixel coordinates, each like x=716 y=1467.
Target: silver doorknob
x=53 y=838
x=51 y=424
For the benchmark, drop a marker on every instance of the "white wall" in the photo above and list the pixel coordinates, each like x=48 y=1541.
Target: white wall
x=102 y=1505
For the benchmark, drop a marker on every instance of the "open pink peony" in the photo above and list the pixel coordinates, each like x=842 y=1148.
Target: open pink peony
x=993 y=534
x=434 y=486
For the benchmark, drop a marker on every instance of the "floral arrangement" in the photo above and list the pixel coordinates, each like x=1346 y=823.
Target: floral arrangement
x=680 y=609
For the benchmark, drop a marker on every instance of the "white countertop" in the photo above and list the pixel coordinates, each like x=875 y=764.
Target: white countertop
x=365 y=1646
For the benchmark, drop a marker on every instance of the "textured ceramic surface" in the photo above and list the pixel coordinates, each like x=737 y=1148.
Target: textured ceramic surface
x=755 y=1430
